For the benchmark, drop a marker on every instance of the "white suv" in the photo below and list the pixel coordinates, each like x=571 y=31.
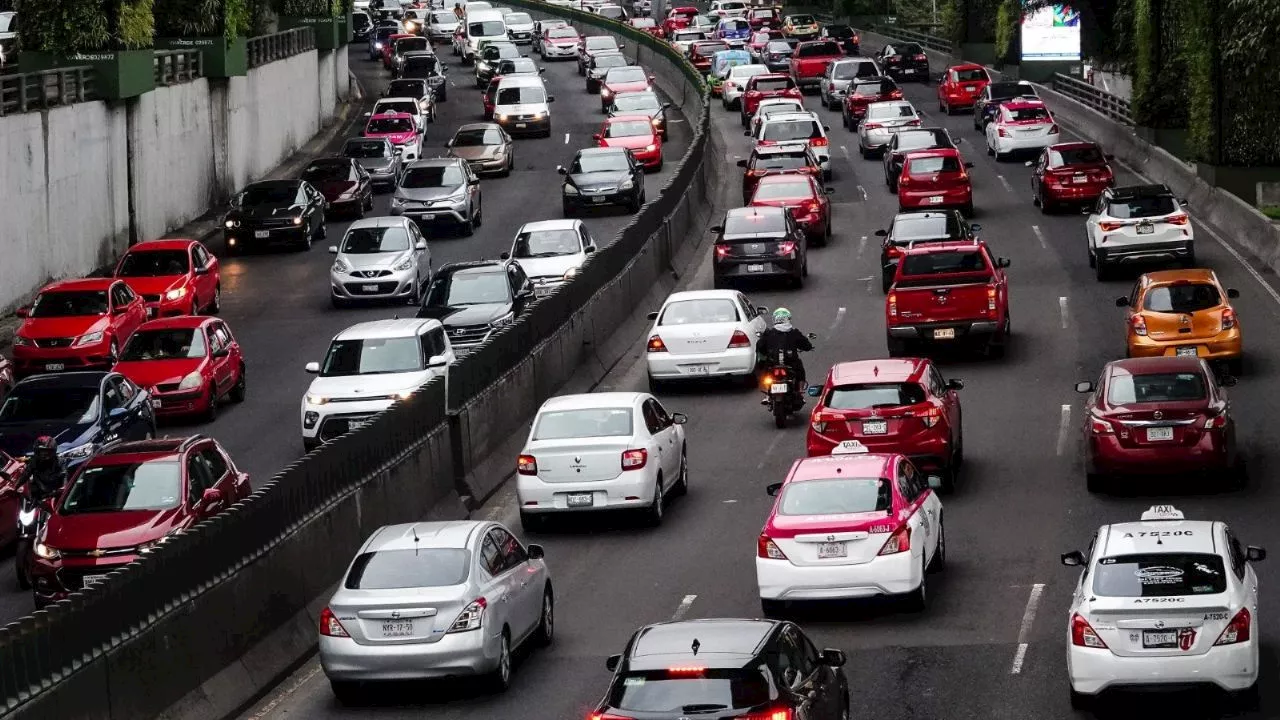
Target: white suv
x=1139 y=223
x=369 y=367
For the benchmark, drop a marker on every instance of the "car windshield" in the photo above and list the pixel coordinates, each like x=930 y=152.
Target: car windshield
x=122 y=487
x=610 y=61
x=1182 y=298
x=781 y=161
x=267 y=195
x=70 y=303
x=1089 y=155
x=488 y=28
x=385 y=125
x=603 y=162
x=735 y=25
x=636 y=101
x=1027 y=114
x=788 y=189
x=628 y=128
x=868 y=396
x=366 y=149
x=562 y=32
x=791 y=130
x=746 y=223
x=477 y=136
x=167 y=344
x=73 y=406
x=586 y=423
x=440 y=17
x=1141 y=207
x=1159 y=575
x=371 y=240
x=969 y=75
x=409 y=88
x=518 y=19
x=1126 y=389
x=525 y=95
x=372 y=356
x=836 y=496
x=402 y=569
x=154 y=263
x=697 y=312
x=601 y=42
x=818 y=49
x=469 y=288
x=931 y=165
x=627 y=74
x=432 y=176
x=890 y=111
x=499 y=52
x=908 y=228
x=320 y=172
x=670 y=693
x=547 y=243
x=921 y=139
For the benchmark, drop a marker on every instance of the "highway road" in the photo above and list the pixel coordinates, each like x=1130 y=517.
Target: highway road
x=991 y=644
x=277 y=302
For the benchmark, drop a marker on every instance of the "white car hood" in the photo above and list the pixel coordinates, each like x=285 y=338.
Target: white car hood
x=356 y=386
x=553 y=267
x=374 y=261
x=521 y=109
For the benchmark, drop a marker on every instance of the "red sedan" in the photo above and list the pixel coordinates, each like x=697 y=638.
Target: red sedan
x=936 y=178
x=702 y=52
x=899 y=406
x=648 y=25
x=76 y=325
x=960 y=87
x=863 y=92
x=174 y=277
x=636 y=133
x=620 y=80
x=759 y=39
x=127 y=500
x=804 y=196
x=190 y=364
x=1156 y=417
x=1073 y=173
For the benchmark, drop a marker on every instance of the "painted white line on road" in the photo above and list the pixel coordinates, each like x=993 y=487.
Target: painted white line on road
x=768 y=451
x=730 y=502
x=683 y=610
x=864 y=193
x=1063 y=426
x=1024 y=631
x=1062 y=310
x=1040 y=236
x=566 y=138
x=279 y=699
x=862 y=245
x=1005 y=183
x=836 y=323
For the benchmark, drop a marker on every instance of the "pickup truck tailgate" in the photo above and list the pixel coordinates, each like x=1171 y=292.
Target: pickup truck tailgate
x=943 y=302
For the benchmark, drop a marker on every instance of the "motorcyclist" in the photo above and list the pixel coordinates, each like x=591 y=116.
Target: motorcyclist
x=457 y=10
x=45 y=473
x=785 y=338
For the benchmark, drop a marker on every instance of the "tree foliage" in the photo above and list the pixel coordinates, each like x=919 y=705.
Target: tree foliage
x=1249 y=38
x=65 y=27
x=202 y=18
x=1160 y=63
x=1008 y=31
x=307 y=8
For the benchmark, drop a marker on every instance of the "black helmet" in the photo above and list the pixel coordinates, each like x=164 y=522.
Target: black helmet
x=46 y=448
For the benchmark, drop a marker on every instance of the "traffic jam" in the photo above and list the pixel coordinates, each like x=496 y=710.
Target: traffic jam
x=105 y=371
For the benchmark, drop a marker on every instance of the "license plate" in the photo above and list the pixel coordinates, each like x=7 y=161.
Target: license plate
x=54 y=367
x=1146 y=229
x=151 y=312
x=935 y=199
x=755 y=268
x=697 y=369
x=970 y=88
x=826 y=551
x=1186 y=351
x=1156 y=434
x=262 y=234
x=155 y=402
x=521 y=125
x=944 y=334
x=397 y=629
x=598 y=200
x=369 y=288
x=1159 y=639
x=778 y=388
x=1079 y=179
x=580 y=500
x=356 y=424
x=91 y=580
x=908 y=71
x=875 y=427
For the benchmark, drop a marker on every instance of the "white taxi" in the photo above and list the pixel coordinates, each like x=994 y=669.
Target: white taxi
x=1020 y=125
x=1163 y=601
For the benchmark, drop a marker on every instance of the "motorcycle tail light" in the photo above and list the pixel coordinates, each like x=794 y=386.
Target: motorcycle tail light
x=739 y=340
x=1237 y=631
x=656 y=344
x=1083 y=635
x=1138 y=324
x=767 y=548
x=779 y=373
x=1228 y=319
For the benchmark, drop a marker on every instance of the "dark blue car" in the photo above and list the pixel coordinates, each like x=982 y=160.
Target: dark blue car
x=80 y=410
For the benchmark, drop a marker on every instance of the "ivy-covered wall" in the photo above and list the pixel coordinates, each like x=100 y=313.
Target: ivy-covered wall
x=203 y=18
x=68 y=26
x=1008 y=31
x=1249 y=37
x=1160 y=89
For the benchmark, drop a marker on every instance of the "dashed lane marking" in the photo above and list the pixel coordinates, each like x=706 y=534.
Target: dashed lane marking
x=768 y=451
x=1024 y=631
x=836 y=323
x=862 y=245
x=1005 y=183
x=1040 y=236
x=1064 y=425
x=683 y=609
x=1062 y=310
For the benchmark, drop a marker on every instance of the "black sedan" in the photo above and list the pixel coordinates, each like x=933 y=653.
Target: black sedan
x=600 y=177
x=915 y=227
x=272 y=211
x=984 y=108
x=473 y=299
x=378 y=157
x=845 y=35
x=904 y=61
x=345 y=185
x=417 y=88
x=82 y=410
x=490 y=56
x=759 y=242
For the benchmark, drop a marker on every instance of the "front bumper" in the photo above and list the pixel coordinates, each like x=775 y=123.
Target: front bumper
x=1229 y=667
x=630 y=489
x=524 y=124
x=54 y=581
x=1106 y=456
x=436 y=212
x=180 y=403
x=456 y=654
x=33 y=361
x=559 y=51
x=483 y=167
x=896 y=574
x=605 y=199
x=333 y=419
x=728 y=362
x=243 y=237
x=963 y=329
x=394 y=286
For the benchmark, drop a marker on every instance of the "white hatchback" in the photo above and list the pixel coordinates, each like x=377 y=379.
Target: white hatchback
x=804 y=127
x=551 y=251
x=704 y=333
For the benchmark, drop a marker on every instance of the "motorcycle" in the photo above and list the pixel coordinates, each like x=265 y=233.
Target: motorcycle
x=784 y=393
x=32 y=516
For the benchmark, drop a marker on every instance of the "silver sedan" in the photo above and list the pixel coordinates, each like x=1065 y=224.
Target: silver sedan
x=383 y=258
x=435 y=600
x=882 y=120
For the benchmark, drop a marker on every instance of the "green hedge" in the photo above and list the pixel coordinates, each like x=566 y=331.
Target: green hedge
x=202 y=18
x=64 y=27
x=307 y=8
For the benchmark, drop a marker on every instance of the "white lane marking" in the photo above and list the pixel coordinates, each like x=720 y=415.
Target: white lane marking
x=566 y=138
x=864 y=193
x=1005 y=183
x=1040 y=236
x=683 y=610
x=1063 y=428
x=279 y=699
x=768 y=451
x=1024 y=631
x=728 y=502
x=862 y=245
x=1062 y=310
x=835 y=323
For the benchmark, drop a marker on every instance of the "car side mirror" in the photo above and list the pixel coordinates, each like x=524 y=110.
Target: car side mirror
x=504 y=256
x=536 y=552
x=826 y=128
x=1227 y=381
x=541 y=70
x=119 y=310
x=812 y=336
x=420 y=245
x=679 y=418
x=1122 y=302
x=313 y=368
x=449 y=144
x=968 y=166
x=437 y=361
x=1075 y=558
x=955 y=385
x=589 y=249
x=813 y=391
x=1255 y=553
x=762 y=309
x=201 y=270
x=935 y=482
x=652 y=316
x=1183 y=201
x=1003 y=262
x=560 y=169
x=23 y=312
x=1109 y=157
x=717 y=229
x=882 y=233
x=773 y=488
x=741 y=163
x=211 y=496
x=1084 y=387
x=666 y=106
x=221 y=352
x=829 y=191
x=333 y=249
x=833 y=657
x=611 y=664
x=368 y=114
x=1233 y=293
x=975 y=227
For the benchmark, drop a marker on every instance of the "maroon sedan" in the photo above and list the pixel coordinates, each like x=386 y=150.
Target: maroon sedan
x=346 y=185
x=1158 y=416
x=1073 y=173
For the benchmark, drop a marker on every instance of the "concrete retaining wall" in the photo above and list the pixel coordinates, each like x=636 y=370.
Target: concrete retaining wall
x=171 y=133
x=260 y=134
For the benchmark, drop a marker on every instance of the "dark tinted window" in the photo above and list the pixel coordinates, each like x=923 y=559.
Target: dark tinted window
x=836 y=496
x=70 y=304
x=942 y=263
x=670 y=692
x=433 y=176
x=408 y=44
x=970 y=75
x=409 y=88
x=419 y=64
x=907 y=228
x=366 y=149
x=779 y=161
x=70 y=405
x=865 y=396
x=931 y=165
x=1075 y=156
x=1159 y=575
x=1027 y=114
x=772 y=84
x=1006 y=91
x=910 y=49
x=1141 y=207
x=372 y=356
x=1155 y=387
x=600 y=162
x=709 y=49
x=267 y=195
x=839 y=31
x=750 y=222
x=173 y=344
x=1183 y=298
x=921 y=139
x=153 y=263
x=328 y=171
x=395 y=569
x=818 y=49
x=469 y=288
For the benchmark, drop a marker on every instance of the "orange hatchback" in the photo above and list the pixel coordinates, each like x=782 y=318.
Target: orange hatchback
x=1183 y=312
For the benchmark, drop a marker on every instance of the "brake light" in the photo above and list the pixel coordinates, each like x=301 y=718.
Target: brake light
x=527 y=465
x=1100 y=426
x=767 y=548
x=753 y=93
x=922 y=57
x=739 y=340
x=1138 y=325
x=782 y=714
x=931 y=416
x=893 y=304
x=722 y=251
x=686 y=670
x=634 y=459
x=817 y=142
x=1110 y=226
x=895 y=58
x=831 y=87
x=899 y=541
x=329 y=625
x=471 y=617
x=813 y=206
x=1002 y=132
x=1178 y=219
x=1228 y=319
x=1082 y=634
x=872 y=126
x=758 y=173
x=1237 y=631
x=894 y=251
x=1215 y=422
x=913 y=123
x=895 y=95
x=786 y=247
x=656 y=344
x=1053 y=129
x=821 y=421
x=991 y=299
x=605 y=716
x=780 y=373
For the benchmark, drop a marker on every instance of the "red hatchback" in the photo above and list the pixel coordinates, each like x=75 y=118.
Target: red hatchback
x=636 y=133
x=891 y=406
x=960 y=87
x=388 y=49
x=76 y=325
x=678 y=18
x=1073 y=173
x=174 y=277
x=936 y=178
x=1156 y=417
x=806 y=199
x=702 y=52
x=763 y=87
x=863 y=92
x=648 y=25
x=127 y=500
x=189 y=363
x=767 y=160
x=619 y=80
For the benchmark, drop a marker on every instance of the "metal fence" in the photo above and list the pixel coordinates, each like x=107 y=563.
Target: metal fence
x=278 y=46
x=931 y=42
x=178 y=66
x=1113 y=106
x=22 y=92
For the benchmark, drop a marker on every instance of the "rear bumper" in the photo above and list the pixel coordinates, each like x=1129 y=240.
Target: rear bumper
x=952 y=197
x=1229 y=667
x=456 y=654
x=896 y=574
x=1085 y=193
x=630 y=489
x=1150 y=252
x=733 y=361
x=762 y=267
x=1016 y=144
x=963 y=329
x=1106 y=456
x=1223 y=346
x=34 y=361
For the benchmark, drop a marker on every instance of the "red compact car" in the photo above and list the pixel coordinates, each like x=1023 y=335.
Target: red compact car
x=678 y=18
x=76 y=325
x=763 y=87
x=174 y=277
x=189 y=363
x=616 y=81
x=636 y=133
x=127 y=500
x=758 y=40
x=862 y=92
x=1156 y=417
x=901 y=406
x=960 y=87
x=1073 y=173
x=764 y=17
x=767 y=160
x=936 y=178
x=490 y=93
x=389 y=48
x=648 y=25
x=702 y=52
x=804 y=197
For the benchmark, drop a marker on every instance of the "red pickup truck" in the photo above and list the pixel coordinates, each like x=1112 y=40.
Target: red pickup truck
x=810 y=59
x=948 y=293
x=678 y=18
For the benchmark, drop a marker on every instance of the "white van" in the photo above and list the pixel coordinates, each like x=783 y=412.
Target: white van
x=482 y=26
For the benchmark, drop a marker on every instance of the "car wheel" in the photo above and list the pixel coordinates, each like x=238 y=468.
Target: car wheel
x=416 y=297
x=1235 y=367
x=990 y=150
x=1080 y=701
x=368 y=201
x=323 y=231
x=896 y=347
x=469 y=226
x=444 y=94
x=547 y=624
x=532 y=523
x=1046 y=208
x=681 y=487
x=500 y=678
x=917 y=600
x=1094 y=482
x=347 y=693
x=939 y=560
x=653 y=513
x=1100 y=269
x=511 y=164
x=886 y=282
x=211 y=410
x=479 y=216
x=240 y=389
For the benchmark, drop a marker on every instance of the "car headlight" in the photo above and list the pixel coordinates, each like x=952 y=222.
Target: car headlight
x=504 y=320
x=626 y=185
x=78 y=452
x=502 y=117
x=24 y=342
x=176 y=294
x=571 y=273
x=606 y=92
x=482 y=65
x=397 y=202
x=656 y=122
x=232 y=223
x=340 y=267
x=408 y=263
x=650 y=147
x=147 y=547
x=191 y=381
x=377 y=46
x=89 y=338
x=316 y=399
x=44 y=552
x=570 y=190
x=541 y=114
x=297 y=220
x=404 y=394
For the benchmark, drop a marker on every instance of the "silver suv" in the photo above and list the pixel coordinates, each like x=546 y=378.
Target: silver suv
x=439 y=190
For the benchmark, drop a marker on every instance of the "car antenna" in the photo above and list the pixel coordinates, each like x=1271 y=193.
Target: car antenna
x=695 y=646
x=414 y=529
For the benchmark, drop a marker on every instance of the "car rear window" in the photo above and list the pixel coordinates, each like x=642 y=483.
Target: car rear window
x=931 y=165
x=397 y=569
x=1160 y=575
x=1005 y=91
x=693 y=312
x=921 y=140
x=1027 y=114
x=803 y=20
x=773 y=84
x=601 y=42
x=669 y=692
x=910 y=49
x=709 y=49
x=846 y=71
x=788 y=161
x=1182 y=298
x=1141 y=207
x=779 y=47
x=791 y=130
x=890 y=111
x=754 y=222
x=585 y=423
x=799 y=188
x=1075 y=156
x=935 y=226
x=1155 y=387
x=836 y=496
x=867 y=396
x=971 y=75
x=944 y=263
x=818 y=50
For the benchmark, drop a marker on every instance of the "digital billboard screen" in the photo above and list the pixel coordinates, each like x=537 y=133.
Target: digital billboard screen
x=1051 y=33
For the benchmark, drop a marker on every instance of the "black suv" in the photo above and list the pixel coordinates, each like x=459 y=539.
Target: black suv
x=698 y=668
x=902 y=61
x=910 y=140
x=472 y=299
x=599 y=177
x=988 y=102
x=920 y=226
x=759 y=242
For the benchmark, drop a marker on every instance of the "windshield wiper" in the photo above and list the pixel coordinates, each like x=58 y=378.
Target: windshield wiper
x=546 y=254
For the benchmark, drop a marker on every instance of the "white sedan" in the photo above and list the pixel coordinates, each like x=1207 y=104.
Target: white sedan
x=601 y=451
x=1019 y=125
x=704 y=333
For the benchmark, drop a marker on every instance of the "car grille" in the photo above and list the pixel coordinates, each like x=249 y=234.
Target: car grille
x=168 y=387
x=370 y=273
x=525 y=117
x=520 y=35
x=53 y=342
x=361 y=288
x=151 y=298
x=338 y=425
x=468 y=334
x=270 y=223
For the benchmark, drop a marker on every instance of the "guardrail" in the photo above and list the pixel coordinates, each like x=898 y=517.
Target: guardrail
x=931 y=42
x=178 y=66
x=23 y=92
x=278 y=46
x=1113 y=106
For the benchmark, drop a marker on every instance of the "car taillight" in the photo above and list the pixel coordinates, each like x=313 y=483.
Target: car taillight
x=634 y=459
x=1178 y=219
x=780 y=714
x=767 y=548
x=329 y=625
x=527 y=465
x=991 y=299
x=831 y=87
x=1237 y=631
x=899 y=541
x=894 y=58
x=1110 y=226
x=894 y=251
x=1100 y=426
x=922 y=57
x=913 y=123
x=1053 y=129
x=931 y=416
x=813 y=206
x=471 y=617
x=1002 y=132
x=786 y=247
x=817 y=142
x=605 y=716
x=1215 y=422
x=895 y=95
x=722 y=251
x=1138 y=325
x=872 y=126
x=1228 y=319
x=904 y=180
x=753 y=93
x=893 y=305
x=739 y=340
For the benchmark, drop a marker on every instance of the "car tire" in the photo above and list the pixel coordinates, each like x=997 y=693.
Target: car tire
x=444 y=94
x=323 y=231
x=1046 y=207
x=939 y=561
x=499 y=679
x=1080 y=701
x=681 y=488
x=567 y=210
x=469 y=226
x=654 y=512
x=967 y=210
x=896 y=347
x=241 y=389
x=215 y=305
x=1235 y=367
x=547 y=623
x=1190 y=261
x=863 y=152
x=346 y=692
x=1100 y=269
x=886 y=282
x=113 y=352
x=359 y=211
x=917 y=600
x=211 y=411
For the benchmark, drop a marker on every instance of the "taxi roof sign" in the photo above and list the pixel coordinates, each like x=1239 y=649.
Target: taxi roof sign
x=849 y=447
x=1163 y=512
